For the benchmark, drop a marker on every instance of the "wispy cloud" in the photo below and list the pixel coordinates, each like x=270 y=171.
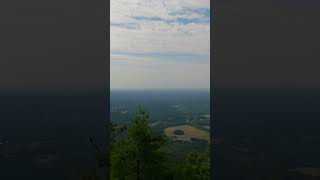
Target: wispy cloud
x=157 y=32
x=176 y=21
x=125 y=25
x=160 y=26
x=185 y=57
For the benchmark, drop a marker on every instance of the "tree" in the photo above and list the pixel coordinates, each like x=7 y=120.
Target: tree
x=195 y=167
x=140 y=154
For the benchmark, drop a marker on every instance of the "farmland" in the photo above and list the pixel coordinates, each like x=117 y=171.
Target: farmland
x=190 y=133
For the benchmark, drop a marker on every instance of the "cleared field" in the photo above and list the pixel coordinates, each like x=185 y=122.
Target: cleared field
x=189 y=133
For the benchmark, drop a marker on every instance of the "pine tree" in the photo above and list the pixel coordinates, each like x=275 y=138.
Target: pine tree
x=139 y=156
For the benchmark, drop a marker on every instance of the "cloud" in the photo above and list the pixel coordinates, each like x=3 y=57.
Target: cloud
x=190 y=58
x=167 y=26
x=163 y=37
x=125 y=25
x=160 y=43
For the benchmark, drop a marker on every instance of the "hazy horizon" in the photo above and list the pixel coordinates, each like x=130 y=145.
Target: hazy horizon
x=160 y=89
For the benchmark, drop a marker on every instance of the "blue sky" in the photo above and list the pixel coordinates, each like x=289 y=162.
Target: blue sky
x=160 y=44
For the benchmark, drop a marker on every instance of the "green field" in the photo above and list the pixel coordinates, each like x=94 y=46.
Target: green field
x=190 y=133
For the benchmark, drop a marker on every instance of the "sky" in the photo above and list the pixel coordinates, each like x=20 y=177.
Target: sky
x=159 y=44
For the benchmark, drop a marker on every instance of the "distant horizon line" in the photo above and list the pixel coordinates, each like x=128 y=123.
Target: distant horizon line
x=146 y=89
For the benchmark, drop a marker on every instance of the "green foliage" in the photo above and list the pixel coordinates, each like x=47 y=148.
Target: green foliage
x=178 y=132
x=195 y=167
x=138 y=153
